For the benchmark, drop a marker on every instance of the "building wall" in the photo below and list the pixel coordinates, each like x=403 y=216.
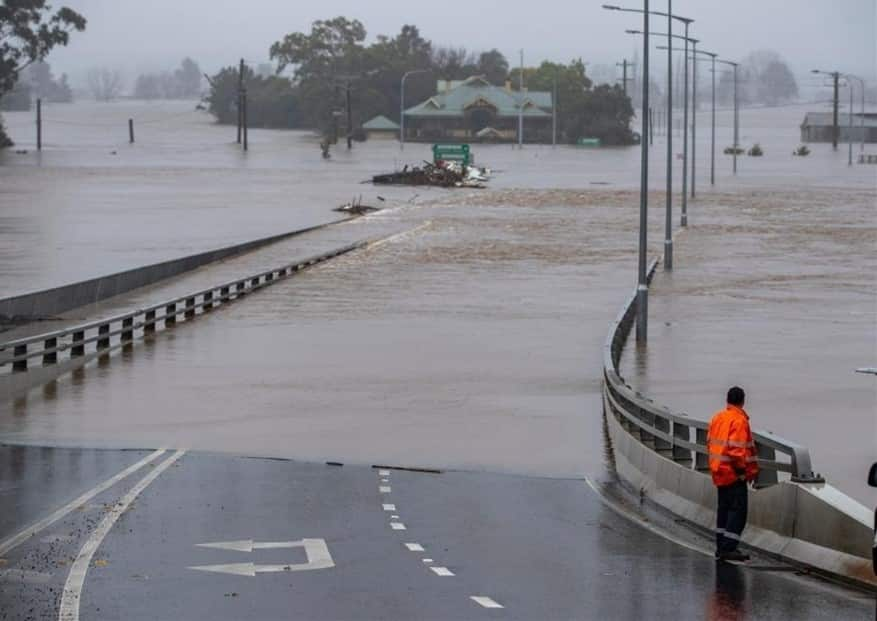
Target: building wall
x=824 y=133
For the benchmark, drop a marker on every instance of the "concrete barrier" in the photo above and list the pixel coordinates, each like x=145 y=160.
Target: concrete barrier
x=50 y=302
x=809 y=524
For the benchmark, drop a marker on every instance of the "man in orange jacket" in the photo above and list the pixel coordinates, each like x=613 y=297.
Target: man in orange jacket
x=733 y=463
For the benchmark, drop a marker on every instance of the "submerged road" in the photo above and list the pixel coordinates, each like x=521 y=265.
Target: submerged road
x=200 y=536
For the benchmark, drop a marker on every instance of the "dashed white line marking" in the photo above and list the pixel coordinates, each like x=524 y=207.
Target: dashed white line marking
x=384 y=473
x=397 y=526
x=385 y=489
x=72 y=593
x=385 y=480
x=414 y=547
x=427 y=560
x=484 y=601
x=389 y=507
x=442 y=571
x=30 y=531
x=394 y=517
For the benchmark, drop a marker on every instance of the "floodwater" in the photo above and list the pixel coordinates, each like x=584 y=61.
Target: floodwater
x=474 y=341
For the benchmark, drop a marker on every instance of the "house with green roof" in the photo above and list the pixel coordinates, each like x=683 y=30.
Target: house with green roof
x=474 y=110
x=381 y=127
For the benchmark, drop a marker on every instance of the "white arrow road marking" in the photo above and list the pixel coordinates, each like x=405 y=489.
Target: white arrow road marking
x=316 y=549
x=69 y=608
x=442 y=571
x=414 y=547
x=485 y=601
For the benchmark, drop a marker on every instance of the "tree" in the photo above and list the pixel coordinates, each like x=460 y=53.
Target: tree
x=493 y=66
x=29 y=30
x=105 y=84
x=188 y=78
x=764 y=77
x=44 y=85
x=454 y=63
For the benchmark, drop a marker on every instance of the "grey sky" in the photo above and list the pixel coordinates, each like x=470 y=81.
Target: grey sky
x=137 y=35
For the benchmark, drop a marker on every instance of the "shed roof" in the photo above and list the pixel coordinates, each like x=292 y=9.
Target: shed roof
x=380 y=122
x=478 y=91
x=824 y=119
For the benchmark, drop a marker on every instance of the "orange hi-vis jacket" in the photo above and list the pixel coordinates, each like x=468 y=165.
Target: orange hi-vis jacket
x=731 y=447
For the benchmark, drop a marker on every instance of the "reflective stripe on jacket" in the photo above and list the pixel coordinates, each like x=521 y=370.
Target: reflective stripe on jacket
x=731 y=447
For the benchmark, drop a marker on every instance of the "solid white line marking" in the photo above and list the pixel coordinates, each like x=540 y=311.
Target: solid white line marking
x=397 y=526
x=385 y=489
x=384 y=473
x=442 y=571
x=484 y=601
x=414 y=547
x=50 y=519
x=427 y=560
x=69 y=609
x=389 y=507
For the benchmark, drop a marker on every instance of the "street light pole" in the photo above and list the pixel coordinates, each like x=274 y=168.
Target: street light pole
x=862 y=116
x=693 y=115
x=713 y=131
x=521 y=104
x=684 y=219
x=402 y=105
x=642 y=290
x=850 y=124
x=668 y=216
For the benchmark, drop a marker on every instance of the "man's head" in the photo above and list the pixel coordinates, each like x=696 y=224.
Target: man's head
x=736 y=396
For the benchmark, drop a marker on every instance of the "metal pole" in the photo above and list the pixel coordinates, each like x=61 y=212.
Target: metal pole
x=836 y=128
x=693 y=115
x=402 y=114
x=684 y=220
x=244 y=121
x=862 y=120
x=850 y=124
x=624 y=75
x=736 y=121
x=668 y=220
x=521 y=104
x=642 y=290
x=554 y=112
x=131 y=131
x=39 y=124
x=651 y=127
x=240 y=102
x=713 y=130
x=349 y=119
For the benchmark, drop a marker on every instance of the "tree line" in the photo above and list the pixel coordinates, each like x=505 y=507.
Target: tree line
x=317 y=71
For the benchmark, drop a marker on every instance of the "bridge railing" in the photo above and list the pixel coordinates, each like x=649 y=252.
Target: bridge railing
x=90 y=338
x=676 y=436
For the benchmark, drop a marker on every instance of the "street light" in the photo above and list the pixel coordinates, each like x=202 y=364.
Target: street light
x=713 y=114
x=736 y=110
x=862 y=118
x=402 y=105
x=642 y=289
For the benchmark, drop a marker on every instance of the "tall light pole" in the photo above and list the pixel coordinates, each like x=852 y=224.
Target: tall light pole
x=862 y=116
x=402 y=105
x=521 y=104
x=850 y=123
x=736 y=111
x=693 y=115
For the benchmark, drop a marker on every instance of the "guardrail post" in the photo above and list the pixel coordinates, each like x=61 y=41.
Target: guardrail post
x=208 y=301
x=190 y=308
x=701 y=461
x=50 y=357
x=149 y=322
x=269 y=276
x=682 y=455
x=78 y=349
x=241 y=288
x=170 y=315
x=103 y=343
x=254 y=282
x=128 y=329
x=661 y=445
x=19 y=366
x=223 y=294
x=766 y=477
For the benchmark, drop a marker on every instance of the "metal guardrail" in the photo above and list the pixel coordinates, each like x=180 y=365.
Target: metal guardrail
x=18 y=355
x=676 y=436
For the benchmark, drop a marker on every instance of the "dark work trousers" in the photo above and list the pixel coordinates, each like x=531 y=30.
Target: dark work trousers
x=731 y=515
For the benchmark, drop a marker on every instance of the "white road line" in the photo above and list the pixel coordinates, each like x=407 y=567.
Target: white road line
x=427 y=560
x=394 y=517
x=414 y=547
x=385 y=489
x=397 y=526
x=389 y=507
x=485 y=601
x=626 y=513
x=442 y=571
x=384 y=473
x=385 y=480
x=20 y=537
x=69 y=609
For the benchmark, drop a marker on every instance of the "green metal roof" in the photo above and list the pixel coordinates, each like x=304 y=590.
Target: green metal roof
x=476 y=90
x=380 y=122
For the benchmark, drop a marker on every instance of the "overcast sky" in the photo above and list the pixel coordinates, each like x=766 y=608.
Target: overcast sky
x=150 y=35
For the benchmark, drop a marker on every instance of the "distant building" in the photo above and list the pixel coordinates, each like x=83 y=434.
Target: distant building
x=818 y=127
x=381 y=127
x=475 y=110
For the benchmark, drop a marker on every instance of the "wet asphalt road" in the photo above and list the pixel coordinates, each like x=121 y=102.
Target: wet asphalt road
x=540 y=548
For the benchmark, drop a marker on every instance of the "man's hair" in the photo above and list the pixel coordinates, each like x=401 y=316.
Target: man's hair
x=736 y=396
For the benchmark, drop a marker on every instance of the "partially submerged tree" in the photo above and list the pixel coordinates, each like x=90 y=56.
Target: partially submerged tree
x=29 y=29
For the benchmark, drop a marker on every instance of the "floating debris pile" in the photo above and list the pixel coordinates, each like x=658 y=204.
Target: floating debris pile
x=444 y=174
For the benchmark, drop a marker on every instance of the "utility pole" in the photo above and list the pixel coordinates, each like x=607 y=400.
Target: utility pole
x=693 y=115
x=651 y=126
x=39 y=124
x=349 y=117
x=684 y=218
x=131 y=131
x=244 y=119
x=240 y=99
x=668 y=224
x=624 y=64
x=850 y=118
x=521 y=104
x=836 y=132
x=554 y=111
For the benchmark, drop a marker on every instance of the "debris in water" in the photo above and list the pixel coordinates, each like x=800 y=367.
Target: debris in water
x=444 y=174
x=356 y=207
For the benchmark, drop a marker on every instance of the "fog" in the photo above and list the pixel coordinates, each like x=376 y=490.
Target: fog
x=135 y=36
